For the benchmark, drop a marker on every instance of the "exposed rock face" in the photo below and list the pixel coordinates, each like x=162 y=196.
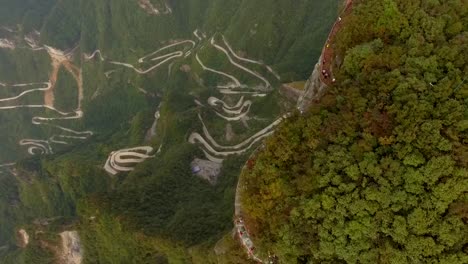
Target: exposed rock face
x=314 y=89
x=72 y=252
x=207 y=170
x=154 y=10
x=33 y=40
x=152 y=131
x=185 y=68
x=7 y=44
x=291 y=93
x=23 y=238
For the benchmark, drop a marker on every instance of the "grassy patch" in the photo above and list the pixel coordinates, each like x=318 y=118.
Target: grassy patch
x=300 y=85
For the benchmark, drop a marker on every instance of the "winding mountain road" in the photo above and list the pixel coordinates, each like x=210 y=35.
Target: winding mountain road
x=125 y=160
x=213 y=101
x=235 y=82
x=325 y=65
x=231 y=92
x=47 y=86
x=215 y=150
x=231 y=113
x=249 y=60
x=257 y=75
x=92 y=55
x=37 y=147
x=197 y=138
x=238 y=109
x=193 y=44
x=43 y=146
x=239 y=116
x=162 y=58
x=195 y=33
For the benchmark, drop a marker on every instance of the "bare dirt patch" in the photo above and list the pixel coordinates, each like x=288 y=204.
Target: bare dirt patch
x=23 y=238
x=72 y=252
x=153 y=10
x=207 y=170
x=60 y=59
x=49 y=97
x=185 y=68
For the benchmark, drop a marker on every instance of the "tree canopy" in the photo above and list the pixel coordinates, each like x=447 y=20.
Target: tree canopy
x=376 y=172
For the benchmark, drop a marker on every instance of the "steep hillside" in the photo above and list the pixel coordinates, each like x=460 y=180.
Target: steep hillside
x=376 y=170
x=129 y=121
x=29 y=14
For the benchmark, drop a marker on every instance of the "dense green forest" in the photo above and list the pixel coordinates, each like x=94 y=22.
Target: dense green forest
x=376 y=172
x=160 y=212
x=28 y=13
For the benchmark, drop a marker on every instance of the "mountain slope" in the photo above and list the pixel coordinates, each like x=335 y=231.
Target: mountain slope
x=376 y=171
x=205 y=74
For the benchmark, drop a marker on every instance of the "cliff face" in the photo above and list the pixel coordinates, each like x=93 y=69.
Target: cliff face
x=314 y=89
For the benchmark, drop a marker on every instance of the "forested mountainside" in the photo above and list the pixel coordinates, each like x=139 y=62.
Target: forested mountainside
x=27 y=13
x=124 y=124
x=376 y=170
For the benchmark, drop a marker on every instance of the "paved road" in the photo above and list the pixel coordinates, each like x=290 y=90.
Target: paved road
x=125 y=160
x=327 y=56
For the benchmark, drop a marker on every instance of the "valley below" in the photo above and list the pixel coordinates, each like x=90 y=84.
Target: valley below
x=99 y=112
x=232 y=131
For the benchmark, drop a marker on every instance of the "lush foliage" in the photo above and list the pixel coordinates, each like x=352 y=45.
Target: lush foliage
x=377 y=171
x=28 y=13
x=160 y=211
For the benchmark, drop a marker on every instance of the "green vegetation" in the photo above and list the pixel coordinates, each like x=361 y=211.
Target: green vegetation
x=20 y=66
x=8 y=197
x=108 y=241
x=300 y=85
x=66 y=91
x=160 y=212
x=28 y=13
x=377 y=171
x=62 y=26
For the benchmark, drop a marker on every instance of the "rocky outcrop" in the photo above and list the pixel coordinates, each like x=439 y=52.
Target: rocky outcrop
x=313 y=91
x=206 y=169
x=291 y=93
x=23 y=238
x=161 y=9
x=72 y=253
x=7 y=44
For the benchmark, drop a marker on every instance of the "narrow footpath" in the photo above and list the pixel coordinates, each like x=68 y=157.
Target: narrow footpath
x=328 y=54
